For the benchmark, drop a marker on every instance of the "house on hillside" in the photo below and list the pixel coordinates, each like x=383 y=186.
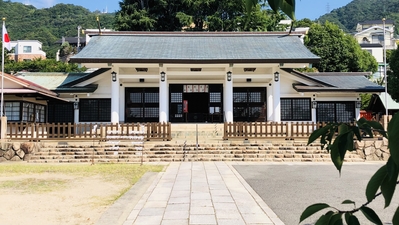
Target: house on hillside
x=27 y=50
x=370 y=36
x=73 y=41
x=201 y=77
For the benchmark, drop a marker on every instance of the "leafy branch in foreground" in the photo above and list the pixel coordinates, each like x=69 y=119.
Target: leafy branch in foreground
x=385 y=179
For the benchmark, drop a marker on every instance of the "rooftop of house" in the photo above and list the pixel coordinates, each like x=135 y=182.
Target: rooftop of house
x=371 y=22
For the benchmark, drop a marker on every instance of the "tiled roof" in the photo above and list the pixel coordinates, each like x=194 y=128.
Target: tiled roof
x=337 y=81
x=29 y=87
x=60 y=82
x=377 y=22
x=392 y=105
x=195 y=48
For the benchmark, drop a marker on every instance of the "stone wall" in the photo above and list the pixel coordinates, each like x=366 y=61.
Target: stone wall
x=367 y=150
x=16 y=151
x=373 y=150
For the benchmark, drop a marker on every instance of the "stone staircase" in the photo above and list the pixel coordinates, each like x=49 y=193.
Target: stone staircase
x=191 y=142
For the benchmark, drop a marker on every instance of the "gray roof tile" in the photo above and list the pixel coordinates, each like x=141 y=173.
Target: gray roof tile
x=217 y=47
x=337 y=81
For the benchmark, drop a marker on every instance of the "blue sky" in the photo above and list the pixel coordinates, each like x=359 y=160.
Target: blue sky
x=311 y=9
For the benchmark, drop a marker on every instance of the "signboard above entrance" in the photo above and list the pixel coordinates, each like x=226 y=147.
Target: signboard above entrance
x=196 y=88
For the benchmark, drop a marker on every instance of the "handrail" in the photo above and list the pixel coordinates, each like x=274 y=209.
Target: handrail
x=86 y=131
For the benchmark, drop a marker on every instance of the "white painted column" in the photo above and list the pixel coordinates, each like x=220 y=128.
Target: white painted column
x=163 y=99
x=3 y=127
x=76 y=115
x=314 y=115
x=121 y=103
x=228 y=98
x=276 y=99
x=270 y=115
x=313 y=100
x=115 y=100
x=357 y=111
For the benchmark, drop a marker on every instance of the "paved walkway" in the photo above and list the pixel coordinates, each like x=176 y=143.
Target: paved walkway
x=200 y=193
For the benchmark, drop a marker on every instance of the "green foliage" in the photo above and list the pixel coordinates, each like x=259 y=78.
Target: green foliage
x=307 y=70
x=286 y=6
x=25 y=22
x=393 y=75
x=66 y=52
x=42 y=65
x=365 y=98
x=339 y=52
x=384 y=179
x=303 y=23
x=195 y=15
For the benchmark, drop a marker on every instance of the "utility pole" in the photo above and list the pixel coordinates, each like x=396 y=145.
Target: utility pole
x=78 y=44
x=385 y=71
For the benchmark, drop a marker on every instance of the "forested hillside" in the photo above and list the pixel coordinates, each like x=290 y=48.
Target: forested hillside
x=25 y=22
x=362 y=10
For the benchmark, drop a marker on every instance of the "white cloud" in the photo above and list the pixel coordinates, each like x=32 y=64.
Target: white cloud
x=40 y=3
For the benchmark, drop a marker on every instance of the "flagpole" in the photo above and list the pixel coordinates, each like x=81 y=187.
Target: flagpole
x=2 y=72
x=3 y=127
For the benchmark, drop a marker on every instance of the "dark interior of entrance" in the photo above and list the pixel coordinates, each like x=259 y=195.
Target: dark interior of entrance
x=197 y=106
x=204 y=103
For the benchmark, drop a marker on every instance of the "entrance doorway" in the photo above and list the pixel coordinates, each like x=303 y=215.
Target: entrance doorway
x=198 y=106
x=204 y=103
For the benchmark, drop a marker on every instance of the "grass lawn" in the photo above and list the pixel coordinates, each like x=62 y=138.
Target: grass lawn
x=130 y=173
x=64 y=193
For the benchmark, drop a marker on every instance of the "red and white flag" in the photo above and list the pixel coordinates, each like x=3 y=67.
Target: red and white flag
x=6 y=39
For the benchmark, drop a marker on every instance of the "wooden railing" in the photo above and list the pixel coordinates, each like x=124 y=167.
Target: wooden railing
x=287 y=130
x=86 y=131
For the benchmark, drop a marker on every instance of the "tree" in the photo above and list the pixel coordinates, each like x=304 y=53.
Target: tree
x=393 y=75
x=385 y=179
x=339 y=52
x=195 y=15
x=66 y=52
x=286 y=6
x=303 y=23
x=42 y=65
x=133 y=15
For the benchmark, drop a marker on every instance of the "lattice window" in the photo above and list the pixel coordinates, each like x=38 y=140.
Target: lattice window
x=28 y=112
x=345 y=112
x=12 y=110
x=295 y=109
x=95 y=110
x=255 y=97
x=240 y=97
x=142 y=104
x=135 y=112
x=151 y=97
x=151 y=112
x=136 y=97
x=60 y=112
x=336 y=112
x=40 y=113
x=215 y=97
x=176 y=97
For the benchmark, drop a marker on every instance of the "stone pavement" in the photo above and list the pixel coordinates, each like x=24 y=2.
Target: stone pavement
x=200 y=193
